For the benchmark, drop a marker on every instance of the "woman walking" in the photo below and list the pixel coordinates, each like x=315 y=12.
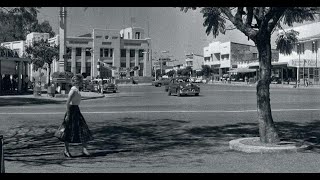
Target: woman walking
x=76 y=128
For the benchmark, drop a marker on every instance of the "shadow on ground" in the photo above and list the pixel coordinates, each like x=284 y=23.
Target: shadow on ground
x=140 y=140
x=17 y=101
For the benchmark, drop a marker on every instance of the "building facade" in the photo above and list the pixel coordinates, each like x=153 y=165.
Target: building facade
x=303 y=63
x=122 y=49
x=232 y=58
x=195 y=61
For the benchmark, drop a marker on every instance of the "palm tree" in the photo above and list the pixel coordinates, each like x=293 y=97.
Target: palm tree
x=258 y=24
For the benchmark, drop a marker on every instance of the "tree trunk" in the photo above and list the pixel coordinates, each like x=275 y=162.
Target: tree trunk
x=48 y=74
x=267 y=130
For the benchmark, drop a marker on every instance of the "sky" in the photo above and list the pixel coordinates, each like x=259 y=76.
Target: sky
x=170 y=29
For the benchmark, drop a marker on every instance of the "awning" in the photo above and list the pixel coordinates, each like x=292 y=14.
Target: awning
x=255 y=65
x=242 y=70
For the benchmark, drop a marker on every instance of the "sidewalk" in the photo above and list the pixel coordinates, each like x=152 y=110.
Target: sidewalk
x=271 y=85
x=59 y=97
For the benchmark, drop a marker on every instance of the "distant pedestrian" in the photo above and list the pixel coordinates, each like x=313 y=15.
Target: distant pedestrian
x=246 y=79
x=76 y=129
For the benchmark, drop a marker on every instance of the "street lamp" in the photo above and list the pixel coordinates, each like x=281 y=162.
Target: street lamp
x=298 y=68
x=316 y=72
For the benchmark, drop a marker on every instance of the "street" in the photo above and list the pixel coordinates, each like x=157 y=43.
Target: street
x=142 y=129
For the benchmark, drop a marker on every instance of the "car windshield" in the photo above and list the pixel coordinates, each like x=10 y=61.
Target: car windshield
x=184 y=80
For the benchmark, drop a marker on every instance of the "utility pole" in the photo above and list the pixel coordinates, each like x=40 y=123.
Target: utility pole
x=62 y=39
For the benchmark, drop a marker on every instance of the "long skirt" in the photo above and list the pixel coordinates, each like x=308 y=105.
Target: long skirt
x=76 y=128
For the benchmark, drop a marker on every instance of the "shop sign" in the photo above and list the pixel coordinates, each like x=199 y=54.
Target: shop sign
x=303 y=63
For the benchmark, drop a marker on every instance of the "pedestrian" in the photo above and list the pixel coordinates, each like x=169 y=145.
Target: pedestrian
x=76 y=128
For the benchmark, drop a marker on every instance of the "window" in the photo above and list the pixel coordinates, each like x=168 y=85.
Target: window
x=68 y=67
x=132 y=52
x=101 y=52
x=88 y=68
x=132 y=64
x=314 y=46
x=106 y=52
x=141 y=52
x=225 y=57
x=137 y=36
x=122 y=64
x=123 y=52
x=78 y=67
x=254 y=55
x=78 y=51
x=111 y=52
x=88 y=51
x=68 y=51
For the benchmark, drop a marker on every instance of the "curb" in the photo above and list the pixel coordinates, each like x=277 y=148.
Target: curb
x=246 y=145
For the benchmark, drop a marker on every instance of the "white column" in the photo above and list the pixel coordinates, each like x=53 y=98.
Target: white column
x=128 y=61
x=73 y=60
x=136 y=61
x=145 y=63
x=83 y=60
x=19 y=76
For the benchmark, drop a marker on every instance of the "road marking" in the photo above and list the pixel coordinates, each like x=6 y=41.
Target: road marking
x=176 y=111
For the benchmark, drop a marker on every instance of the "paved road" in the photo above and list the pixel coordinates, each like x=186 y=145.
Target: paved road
x=142 y=129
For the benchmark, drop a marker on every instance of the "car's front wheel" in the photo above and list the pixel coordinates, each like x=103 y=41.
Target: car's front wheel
x=197 y=94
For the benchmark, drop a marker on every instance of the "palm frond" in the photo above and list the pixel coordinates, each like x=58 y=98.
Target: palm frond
x=286 y=40
x=299 y=15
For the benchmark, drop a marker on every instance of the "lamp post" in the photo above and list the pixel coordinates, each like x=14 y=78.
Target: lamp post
x=298 y=68
x=316 y=72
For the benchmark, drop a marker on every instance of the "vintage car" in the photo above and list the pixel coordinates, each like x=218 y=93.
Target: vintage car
x=161 y=82
x=183 y=86
x=102 y=86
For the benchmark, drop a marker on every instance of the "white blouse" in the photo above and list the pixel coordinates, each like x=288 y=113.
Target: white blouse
x=76 y=99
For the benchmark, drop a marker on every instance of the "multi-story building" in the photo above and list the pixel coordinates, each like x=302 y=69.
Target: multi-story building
x=302 y=65
x=232 y=58
x=195 y=61
x=35 y=36
x=122 y=49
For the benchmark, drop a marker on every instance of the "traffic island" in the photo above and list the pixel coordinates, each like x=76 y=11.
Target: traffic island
x=253 y=145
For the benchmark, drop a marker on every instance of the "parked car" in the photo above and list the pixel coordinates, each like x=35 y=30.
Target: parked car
x=198 y=80
x=105 y=85
x=161 y=82
x=183 y=86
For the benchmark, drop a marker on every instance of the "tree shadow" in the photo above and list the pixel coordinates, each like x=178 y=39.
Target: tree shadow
x=17 y=101
x=140 y=139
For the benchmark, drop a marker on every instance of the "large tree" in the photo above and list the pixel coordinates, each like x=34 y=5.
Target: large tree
x=42 y=55
x=258 y=24
x=17 y=22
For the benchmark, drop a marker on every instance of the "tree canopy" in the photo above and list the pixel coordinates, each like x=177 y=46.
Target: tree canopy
x=17 y=22
x=41 y=53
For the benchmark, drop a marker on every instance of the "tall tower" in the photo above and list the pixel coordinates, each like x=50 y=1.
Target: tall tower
x=62 y=39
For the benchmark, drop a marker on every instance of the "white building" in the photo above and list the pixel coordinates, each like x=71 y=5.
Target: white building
x=231 y=57
x=122 y=49
x=303 y=63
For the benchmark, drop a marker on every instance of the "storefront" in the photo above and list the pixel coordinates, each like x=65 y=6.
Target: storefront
x=13 y=73
x=308 y=70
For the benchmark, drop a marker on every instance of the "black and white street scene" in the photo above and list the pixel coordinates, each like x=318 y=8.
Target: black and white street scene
x=159 y=90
